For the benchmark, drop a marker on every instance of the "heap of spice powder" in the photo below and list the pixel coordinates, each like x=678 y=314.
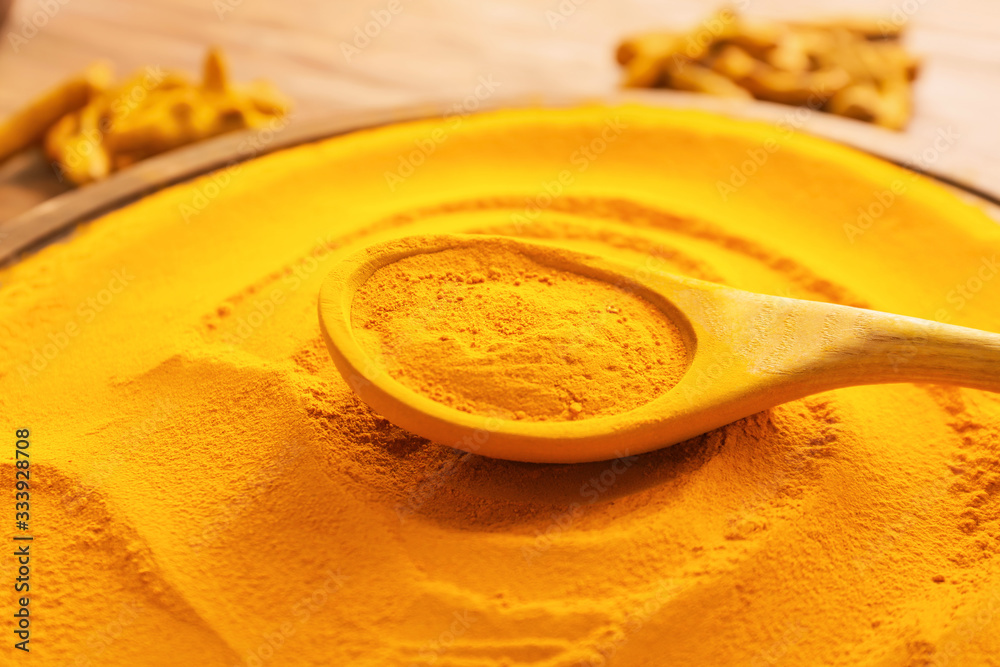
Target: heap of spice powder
x=488 y=330
x=207 y=490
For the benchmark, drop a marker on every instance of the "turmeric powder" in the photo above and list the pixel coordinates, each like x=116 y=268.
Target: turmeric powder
x=207 y=490
x=490 y=331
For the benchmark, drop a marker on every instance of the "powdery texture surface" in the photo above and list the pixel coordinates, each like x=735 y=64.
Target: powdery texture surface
x=490 y=331
x=206 y=489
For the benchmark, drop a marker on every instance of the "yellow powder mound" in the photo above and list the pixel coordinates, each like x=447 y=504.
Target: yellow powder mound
x=490 y=331
x=206 y=490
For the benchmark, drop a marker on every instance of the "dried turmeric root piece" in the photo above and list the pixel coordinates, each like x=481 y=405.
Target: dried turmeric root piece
x=896 y=105
x=811 y=89
x=859 y=101
x=734 y=63
x=28 y=126
x=74 y=144
x=645 y=57
x=701 y=79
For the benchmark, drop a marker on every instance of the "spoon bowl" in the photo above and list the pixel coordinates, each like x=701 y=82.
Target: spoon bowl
x=747 y=352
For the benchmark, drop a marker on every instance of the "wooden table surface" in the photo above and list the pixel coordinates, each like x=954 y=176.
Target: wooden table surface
x=434 y=50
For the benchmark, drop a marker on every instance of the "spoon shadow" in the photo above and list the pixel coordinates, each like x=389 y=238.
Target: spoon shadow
x=487 y=494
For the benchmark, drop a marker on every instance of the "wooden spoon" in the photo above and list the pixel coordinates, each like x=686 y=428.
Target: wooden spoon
x=747 y=352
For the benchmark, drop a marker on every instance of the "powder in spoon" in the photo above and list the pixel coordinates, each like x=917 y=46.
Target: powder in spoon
x=488 y=330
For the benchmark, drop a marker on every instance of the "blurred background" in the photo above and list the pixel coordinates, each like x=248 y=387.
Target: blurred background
x=347 y=56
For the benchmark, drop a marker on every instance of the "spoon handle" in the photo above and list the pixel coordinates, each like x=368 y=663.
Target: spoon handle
x=880 y=348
